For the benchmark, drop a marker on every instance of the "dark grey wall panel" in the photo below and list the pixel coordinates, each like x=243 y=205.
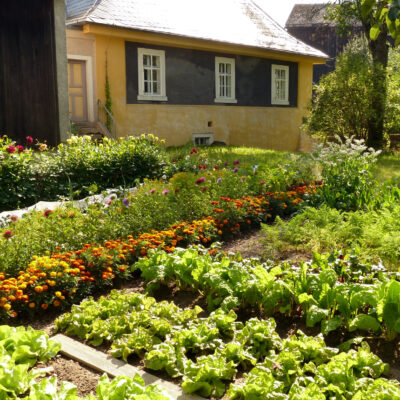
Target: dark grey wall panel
x=190 y=77
x=28 y=79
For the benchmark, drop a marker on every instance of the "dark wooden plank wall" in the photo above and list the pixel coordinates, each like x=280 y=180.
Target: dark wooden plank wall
x=28 y=79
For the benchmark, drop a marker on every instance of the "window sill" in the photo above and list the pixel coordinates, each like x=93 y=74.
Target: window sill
x=280 y=103
x=152 y=98
x=222 y=100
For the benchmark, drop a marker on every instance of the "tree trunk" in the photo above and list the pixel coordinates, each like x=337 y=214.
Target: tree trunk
x=380 y=53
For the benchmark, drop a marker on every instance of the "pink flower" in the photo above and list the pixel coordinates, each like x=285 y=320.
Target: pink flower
x=29 y=139
x=14 y=218
x=20 y=148
x=152 y=191
x=200 y=180
x=262 y=182
x=235 y=170
x=236 y=162
x=166 y=191
x=7 y=234
x=10 y=149
x=47 y=213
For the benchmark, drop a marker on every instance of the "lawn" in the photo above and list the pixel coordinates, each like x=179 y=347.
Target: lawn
x=217 y=324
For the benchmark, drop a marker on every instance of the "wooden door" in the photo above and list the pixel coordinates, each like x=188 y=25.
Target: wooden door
x=78 y=110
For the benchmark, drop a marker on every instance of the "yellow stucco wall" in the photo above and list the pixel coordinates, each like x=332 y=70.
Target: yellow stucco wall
x=268 y=127
x=83 y=46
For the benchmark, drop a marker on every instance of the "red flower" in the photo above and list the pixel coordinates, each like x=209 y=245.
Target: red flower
x=29 y=139
x=47 y=213
x=10 y=149
x=20 y=148
x=7 y=234
x=200 y=180
x=194 y=151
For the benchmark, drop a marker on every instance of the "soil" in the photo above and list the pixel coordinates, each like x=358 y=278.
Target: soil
x=248 y=244
x=67 y=370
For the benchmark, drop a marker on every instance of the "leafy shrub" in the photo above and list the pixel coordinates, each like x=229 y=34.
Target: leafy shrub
x=346 y=174
x=75 y=169
x=342 y=102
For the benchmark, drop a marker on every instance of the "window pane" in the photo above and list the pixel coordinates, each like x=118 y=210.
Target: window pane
x=228 y=68
x=146 y=60
x=228 y=92
x=147 y=87
x=156 y=88
x=156 y=75
x=146 y=74
x=221 y=68
x=156 y=61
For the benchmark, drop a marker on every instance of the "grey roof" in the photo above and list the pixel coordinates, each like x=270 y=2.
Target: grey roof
x=240 y=22
x=308 y=15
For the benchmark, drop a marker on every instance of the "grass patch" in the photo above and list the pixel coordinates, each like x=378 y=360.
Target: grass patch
x=248 y=156
x=387 y=167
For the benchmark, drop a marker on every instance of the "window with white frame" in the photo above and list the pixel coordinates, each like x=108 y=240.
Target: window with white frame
x=225 y=80
x=280 y=84
x=151 y=69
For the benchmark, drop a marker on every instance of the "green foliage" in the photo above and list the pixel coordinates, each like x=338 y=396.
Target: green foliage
x=120 y=388
x=20 y=350
x=75 y=168
x=108 y=103
x=207 y=352
x=346 y=174
x=342 y=105
x=375 y=234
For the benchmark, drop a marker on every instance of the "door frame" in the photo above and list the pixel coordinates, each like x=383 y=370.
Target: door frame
x=89 y=82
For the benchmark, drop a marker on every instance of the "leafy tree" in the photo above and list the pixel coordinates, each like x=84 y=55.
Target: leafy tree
x=348 y=11
x=342 y=105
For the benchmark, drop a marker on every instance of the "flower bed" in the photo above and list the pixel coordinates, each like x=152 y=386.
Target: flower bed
x=60 y=279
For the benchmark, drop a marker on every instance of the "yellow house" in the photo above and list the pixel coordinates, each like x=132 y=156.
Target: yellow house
x=188 y=70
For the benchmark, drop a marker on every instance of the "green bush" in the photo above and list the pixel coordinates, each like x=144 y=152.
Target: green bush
x=75 y=169
x=342 y=102
x=346 y=174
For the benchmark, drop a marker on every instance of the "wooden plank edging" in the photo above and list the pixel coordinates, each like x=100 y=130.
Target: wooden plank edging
x=113 y=367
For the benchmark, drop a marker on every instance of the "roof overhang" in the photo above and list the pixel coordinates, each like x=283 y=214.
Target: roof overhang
x=163 y=39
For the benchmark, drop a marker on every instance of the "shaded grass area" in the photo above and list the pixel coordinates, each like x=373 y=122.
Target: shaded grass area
x=388 y=167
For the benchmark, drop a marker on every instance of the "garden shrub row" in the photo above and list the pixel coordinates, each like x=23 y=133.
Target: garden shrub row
x=208 y=352
x=75 y=169
x=58 y=279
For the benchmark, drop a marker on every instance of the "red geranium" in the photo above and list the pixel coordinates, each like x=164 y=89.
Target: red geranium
x=10 y=149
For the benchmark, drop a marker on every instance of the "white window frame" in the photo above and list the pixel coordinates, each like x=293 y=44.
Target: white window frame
x=218 y=98
x=274 y=100
x=163 y=88
x=209 y=136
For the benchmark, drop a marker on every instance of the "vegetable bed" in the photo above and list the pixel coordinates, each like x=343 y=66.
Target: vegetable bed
x=209 y=352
